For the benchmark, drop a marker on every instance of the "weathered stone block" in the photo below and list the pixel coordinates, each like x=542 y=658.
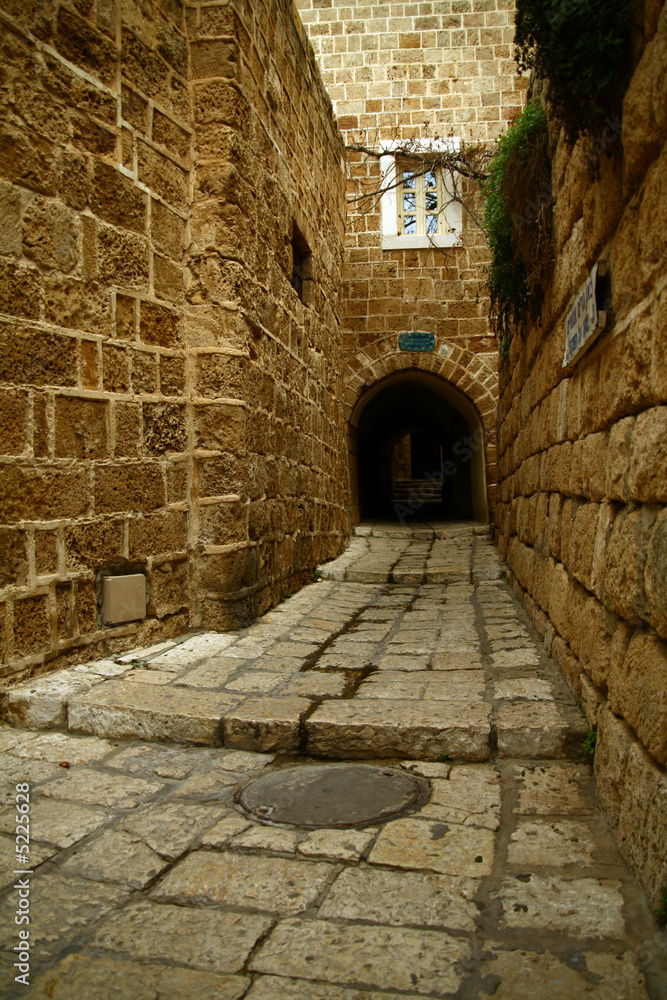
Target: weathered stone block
x=638 y=692
x=159 y=325
x=130 y=486
x=77 y=305
x=215 y=57
x=13 y=421
x=167 y=230
x=164 y=428
x=625 y=562
x=612 y=747
x=123 y=258
x=220 y=427
x=85 y=47
x=42 y=703
x=41 y=494
x=91 y=544
x=81 y=428
x=643 y=820
x=50 y=235
x=579 y=557
x=10 y=219
x=647 y=474
x=655 y=577
x=172 y=375
x=128 y=430
x=617 y=458
x=170 y=135
x=115 y=198
x=161 y=175
x=20 y=290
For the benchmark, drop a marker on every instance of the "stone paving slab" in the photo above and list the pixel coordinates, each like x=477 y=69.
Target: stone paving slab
x=150 y=881
x=399 y=728
x=119 y=708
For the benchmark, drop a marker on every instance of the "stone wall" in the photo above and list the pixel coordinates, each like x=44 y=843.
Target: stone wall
x=583 y=458
x=156 y=366
x=417 y=71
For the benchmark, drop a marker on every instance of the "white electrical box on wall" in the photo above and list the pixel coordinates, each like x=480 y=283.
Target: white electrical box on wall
x=124 y=598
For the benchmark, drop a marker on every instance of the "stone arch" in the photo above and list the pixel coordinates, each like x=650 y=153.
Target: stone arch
x=467 y=381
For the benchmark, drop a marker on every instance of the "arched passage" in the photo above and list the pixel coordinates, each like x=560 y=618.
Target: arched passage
x=415 y=431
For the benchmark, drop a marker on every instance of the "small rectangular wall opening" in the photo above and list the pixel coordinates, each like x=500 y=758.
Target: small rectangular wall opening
x=302 y=266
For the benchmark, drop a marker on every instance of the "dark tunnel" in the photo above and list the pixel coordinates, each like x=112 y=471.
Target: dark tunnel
x=413 y=453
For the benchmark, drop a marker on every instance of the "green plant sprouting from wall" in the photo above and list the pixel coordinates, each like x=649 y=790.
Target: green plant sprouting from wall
x=518 y=221
x=581 y=48
x=589 y=743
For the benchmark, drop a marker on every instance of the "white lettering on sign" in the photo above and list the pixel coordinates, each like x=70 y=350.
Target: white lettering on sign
x=584 y=322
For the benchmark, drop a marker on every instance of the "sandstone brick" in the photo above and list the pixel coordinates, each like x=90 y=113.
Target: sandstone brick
x=37 y=358
x=77 y=305
x=27 y=160
x=134 y=108
x=612 y=748
x=164 y=428
x=579 y=559
x=46 y=552
x=50 y=235
x=167 y=230
x=81 y=428
x=84 y=46
x=32 y=625
x=647 y=474
x=115 y=368
x=13 y=558
x=172 y=375
x=228 y=572
x=637 y=691
x=594 y=462
x=167 y=133
x=168 y=279
x=215 y=57
x=91 y=544
x=160 y=533
x=625 y=562
x=126 y=317
x=618 y=458
x=142 y=66
x=144 y=371
x=642 y=821
x=123 y=258
x=10 y=219
x=85 y=608
x=131 y=486
x=13 y=421
x=169 y=588
x=159 y=325
x=128 y=423
x=42 y=493
x=655 y=577
x=220 y=427
x=162 y=175
x=20 y=290
x=115 y=199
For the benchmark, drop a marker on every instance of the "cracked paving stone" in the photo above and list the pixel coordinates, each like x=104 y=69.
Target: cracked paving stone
x=381 y=896
x=169 y=828
x=57 y=747
x=59 y=823
x=276 y=885
x=265 y=724
x=553 y=789
x=278 y=988
x=67 y=907
x=227 y=827
x=118 y=708
x=316 y=685
x=525 y=974
x=339 y=845
x=529 y=688
x=202 y=939
x=583 y=907
x=92 y=976
x=364 y=955
x=95 y=788
x=255 y=682
x=39 y=853
x=267 y=838
x=547 y=844
x=515 y=658
x=13 y=770
x=441 y=847
x=531 y=730
x=116 y=856
x=470 y=796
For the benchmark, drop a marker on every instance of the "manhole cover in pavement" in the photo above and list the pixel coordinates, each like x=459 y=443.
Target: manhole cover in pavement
x=315 y=795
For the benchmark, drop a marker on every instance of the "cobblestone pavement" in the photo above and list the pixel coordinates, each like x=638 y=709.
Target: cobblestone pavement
x=150 y=882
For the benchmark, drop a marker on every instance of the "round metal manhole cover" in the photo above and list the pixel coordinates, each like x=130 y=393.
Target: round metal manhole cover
x=326 y=795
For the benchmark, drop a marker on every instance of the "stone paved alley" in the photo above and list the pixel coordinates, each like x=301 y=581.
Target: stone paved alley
x=151 y=882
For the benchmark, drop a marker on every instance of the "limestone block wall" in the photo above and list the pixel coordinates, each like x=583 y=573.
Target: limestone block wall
x=405 y=71
x=156 y=366
x=583 y=459
x=94 y=188
x=269 y=487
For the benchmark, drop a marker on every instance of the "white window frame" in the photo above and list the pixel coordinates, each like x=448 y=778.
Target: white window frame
x=452 y=216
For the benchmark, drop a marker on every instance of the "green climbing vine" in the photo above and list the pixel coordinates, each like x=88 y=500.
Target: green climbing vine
x=517 y=222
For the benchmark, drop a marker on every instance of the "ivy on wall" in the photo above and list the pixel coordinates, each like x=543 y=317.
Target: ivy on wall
x=518 y=221
x=581 y=47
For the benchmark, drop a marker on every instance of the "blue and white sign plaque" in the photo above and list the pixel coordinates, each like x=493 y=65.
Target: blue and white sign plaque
x=584 y=321
x=416 y=340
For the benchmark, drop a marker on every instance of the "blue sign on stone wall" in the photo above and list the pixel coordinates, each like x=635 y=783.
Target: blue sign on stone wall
x=416 y=341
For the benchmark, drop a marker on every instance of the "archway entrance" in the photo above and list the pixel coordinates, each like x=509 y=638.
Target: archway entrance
x=417 y=451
